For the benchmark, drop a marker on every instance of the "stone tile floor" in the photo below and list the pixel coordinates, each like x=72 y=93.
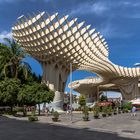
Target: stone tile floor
x=123 y=125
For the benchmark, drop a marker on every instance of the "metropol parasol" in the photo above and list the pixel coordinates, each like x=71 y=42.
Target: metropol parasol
x=58 y=42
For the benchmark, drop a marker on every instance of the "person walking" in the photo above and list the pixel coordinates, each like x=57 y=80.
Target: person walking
x=133 y=111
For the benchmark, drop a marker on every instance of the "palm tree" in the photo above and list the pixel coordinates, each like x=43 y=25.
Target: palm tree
x=17 y=55
x=5 y=55
x=13 y=55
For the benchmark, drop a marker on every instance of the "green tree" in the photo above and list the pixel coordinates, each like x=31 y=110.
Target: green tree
x=96 y=110
x=24 y=97
x=24 y=72
x=11 y=58
x=85 y=112
x=35 y=93
x=82 y=101
x=42 y=94
x=127 y=106
x=17 y=83
x=9 y=89
x=103 y=98
x=5 y=55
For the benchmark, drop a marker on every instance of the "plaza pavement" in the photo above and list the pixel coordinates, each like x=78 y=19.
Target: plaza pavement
x=116 y=127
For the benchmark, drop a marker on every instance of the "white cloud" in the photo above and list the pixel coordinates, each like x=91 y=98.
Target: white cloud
x=107 y=30
x=109 y=9
x=130 y=3
x=110 y=31
x=97 y=8
x=133 y=10
x=5 y=34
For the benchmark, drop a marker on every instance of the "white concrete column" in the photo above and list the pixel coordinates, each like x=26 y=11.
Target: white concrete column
x=89 y=98
x=55 y=77
x=130 y=90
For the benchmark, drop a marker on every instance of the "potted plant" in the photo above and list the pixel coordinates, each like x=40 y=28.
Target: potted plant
x=55 y=116
x=96 y=110
x=126 y=110
x=33 y=117
x=119 y=111
x=123 y=110
x=115 y=111
x=109 y=110
x=86 y=114
x=127 y=107
x=104 y=111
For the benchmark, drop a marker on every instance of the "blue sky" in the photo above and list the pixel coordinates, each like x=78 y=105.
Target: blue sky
x=117 y=20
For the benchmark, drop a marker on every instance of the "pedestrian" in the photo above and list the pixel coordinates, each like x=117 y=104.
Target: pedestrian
x=133 y=111
x=67 y=109
x=47 y=111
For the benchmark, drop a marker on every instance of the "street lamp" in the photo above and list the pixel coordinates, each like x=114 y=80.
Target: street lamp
x=74 y=62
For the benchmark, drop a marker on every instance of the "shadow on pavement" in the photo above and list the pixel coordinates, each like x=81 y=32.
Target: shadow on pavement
x=11 y=129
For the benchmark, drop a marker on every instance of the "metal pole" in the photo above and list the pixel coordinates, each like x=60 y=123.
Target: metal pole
x=71 y=92
x=97 y=93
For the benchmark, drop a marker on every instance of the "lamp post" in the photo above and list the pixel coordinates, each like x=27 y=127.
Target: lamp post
x=74 y=62
x=71 y=92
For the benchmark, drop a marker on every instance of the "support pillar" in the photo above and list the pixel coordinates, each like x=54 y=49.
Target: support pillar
x=130 y=90
x=89 y=98
x=55 y=77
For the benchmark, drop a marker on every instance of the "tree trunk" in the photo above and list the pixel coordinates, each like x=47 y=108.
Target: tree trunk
x=39 y=109
x=16 y=72
x=44 y=107
x=5 y=75
x=11 y=108
x=24 y=111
